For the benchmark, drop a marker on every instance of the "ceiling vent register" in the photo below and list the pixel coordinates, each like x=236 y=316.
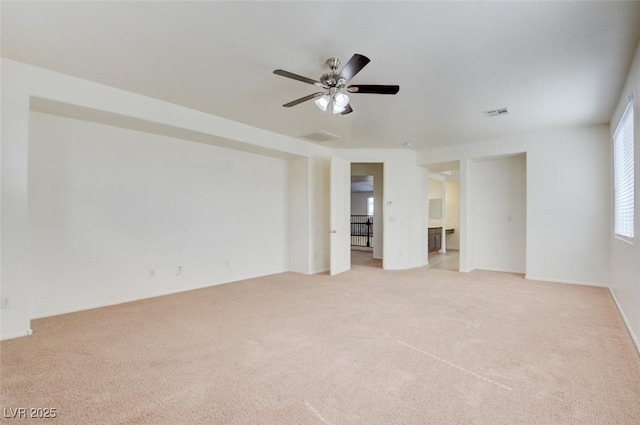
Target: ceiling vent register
x=321 y=136
x=497 y=112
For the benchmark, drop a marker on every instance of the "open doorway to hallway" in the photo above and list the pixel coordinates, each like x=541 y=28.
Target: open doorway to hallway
x=366 y=214
x=443 y=233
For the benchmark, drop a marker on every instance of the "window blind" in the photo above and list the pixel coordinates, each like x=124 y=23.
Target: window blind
x=623 y=173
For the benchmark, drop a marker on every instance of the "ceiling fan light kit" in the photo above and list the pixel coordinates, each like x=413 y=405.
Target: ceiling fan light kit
x=337 y=102
x=322 y=102
x=335 y=97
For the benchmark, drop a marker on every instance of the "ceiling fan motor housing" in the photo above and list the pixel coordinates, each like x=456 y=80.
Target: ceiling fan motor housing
x=330 y=80
x=333 y=63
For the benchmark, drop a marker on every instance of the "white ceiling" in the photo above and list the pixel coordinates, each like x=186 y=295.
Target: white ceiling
x=553 y=64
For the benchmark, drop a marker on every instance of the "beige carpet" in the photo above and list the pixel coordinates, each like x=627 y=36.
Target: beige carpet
x=421 y=346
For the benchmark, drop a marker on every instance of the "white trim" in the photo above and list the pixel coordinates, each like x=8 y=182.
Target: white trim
x=568 y=282
x=17 y=335
x=625 y=320
x=623 y=238
x=624 y=179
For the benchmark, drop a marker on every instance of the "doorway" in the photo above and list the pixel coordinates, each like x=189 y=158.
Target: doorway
x=491 y=195
x=340 y=211
x=366 y=214
x=443 y=229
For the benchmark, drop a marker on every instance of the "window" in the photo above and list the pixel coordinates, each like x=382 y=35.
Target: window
x=623 y=175
x=369 y=206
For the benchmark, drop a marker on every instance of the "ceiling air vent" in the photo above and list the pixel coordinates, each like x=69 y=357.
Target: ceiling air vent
x=321 y=136
x=496 y=112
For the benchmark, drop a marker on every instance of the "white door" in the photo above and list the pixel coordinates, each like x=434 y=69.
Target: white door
x=340 y=215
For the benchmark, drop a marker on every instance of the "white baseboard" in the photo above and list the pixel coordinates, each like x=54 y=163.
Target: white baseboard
x=91 y=306
x=635 y=339
x=16 y=335
x=499 y=270
x=568 y=282
x=170 y=291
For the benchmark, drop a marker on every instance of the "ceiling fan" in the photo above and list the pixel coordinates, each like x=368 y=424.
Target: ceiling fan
x=335 y=96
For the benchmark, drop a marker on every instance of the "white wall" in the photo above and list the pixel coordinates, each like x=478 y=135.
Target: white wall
x=625 y=257
x=108 y=206
x=299 y=215
x=568 y=200
x=568 y=210
x=14 y=321
x=319 y=214
x=418 y=244
x=434 y=191
x=359 y=202
x=497 y=213
x=452 y=211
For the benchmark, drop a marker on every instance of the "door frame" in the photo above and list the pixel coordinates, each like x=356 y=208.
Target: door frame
x=348 y=210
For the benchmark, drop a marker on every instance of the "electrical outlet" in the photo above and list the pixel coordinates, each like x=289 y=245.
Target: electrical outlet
x=5 y=302
x=179 y=271
x=152 y=273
